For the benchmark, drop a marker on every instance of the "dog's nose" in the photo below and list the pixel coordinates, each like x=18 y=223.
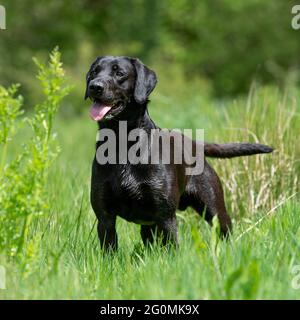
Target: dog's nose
x=97 y=87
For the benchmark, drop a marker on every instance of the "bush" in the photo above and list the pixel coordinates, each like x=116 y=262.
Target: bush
x=22 y=179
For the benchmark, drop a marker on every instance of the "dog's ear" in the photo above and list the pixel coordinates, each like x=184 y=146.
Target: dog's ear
x=88 y=76
x=145 y=81
x=86 y=91
x=86 y=87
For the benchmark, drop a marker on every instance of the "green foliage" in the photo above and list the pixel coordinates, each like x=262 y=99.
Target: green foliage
x=244 y=279
x=23 y=195
x=225 y=43
x=9 y=111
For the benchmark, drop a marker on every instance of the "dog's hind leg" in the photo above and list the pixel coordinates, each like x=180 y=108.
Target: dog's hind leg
x=206 y=192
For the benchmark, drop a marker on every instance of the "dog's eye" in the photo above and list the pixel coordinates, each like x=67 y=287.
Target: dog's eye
x=119 y=74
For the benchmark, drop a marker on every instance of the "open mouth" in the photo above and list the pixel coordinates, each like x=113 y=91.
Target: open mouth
x=101 y=110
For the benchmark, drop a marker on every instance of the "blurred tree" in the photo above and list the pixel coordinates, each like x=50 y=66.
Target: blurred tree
x=233 y=41
x=228 y=42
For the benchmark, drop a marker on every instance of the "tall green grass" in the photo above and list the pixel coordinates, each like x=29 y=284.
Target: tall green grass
x=61 y=257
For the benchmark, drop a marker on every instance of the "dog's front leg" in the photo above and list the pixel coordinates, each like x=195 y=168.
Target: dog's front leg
x=168 y=229
x=107 y=233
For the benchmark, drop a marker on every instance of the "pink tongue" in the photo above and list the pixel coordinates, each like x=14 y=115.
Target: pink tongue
x=98 y=111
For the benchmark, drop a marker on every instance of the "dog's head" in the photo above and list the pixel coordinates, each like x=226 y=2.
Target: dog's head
x=114 y=82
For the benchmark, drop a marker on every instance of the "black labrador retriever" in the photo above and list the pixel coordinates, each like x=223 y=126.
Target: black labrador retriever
x=147 y=194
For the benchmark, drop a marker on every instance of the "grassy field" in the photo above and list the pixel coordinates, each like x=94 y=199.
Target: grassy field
x=63 y=259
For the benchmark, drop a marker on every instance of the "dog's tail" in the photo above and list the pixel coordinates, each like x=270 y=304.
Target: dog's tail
x=231 y=150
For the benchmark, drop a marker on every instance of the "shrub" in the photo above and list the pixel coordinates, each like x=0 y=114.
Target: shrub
x=23 y=194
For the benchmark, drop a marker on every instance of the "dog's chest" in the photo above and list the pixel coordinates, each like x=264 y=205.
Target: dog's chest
x=134 y=196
